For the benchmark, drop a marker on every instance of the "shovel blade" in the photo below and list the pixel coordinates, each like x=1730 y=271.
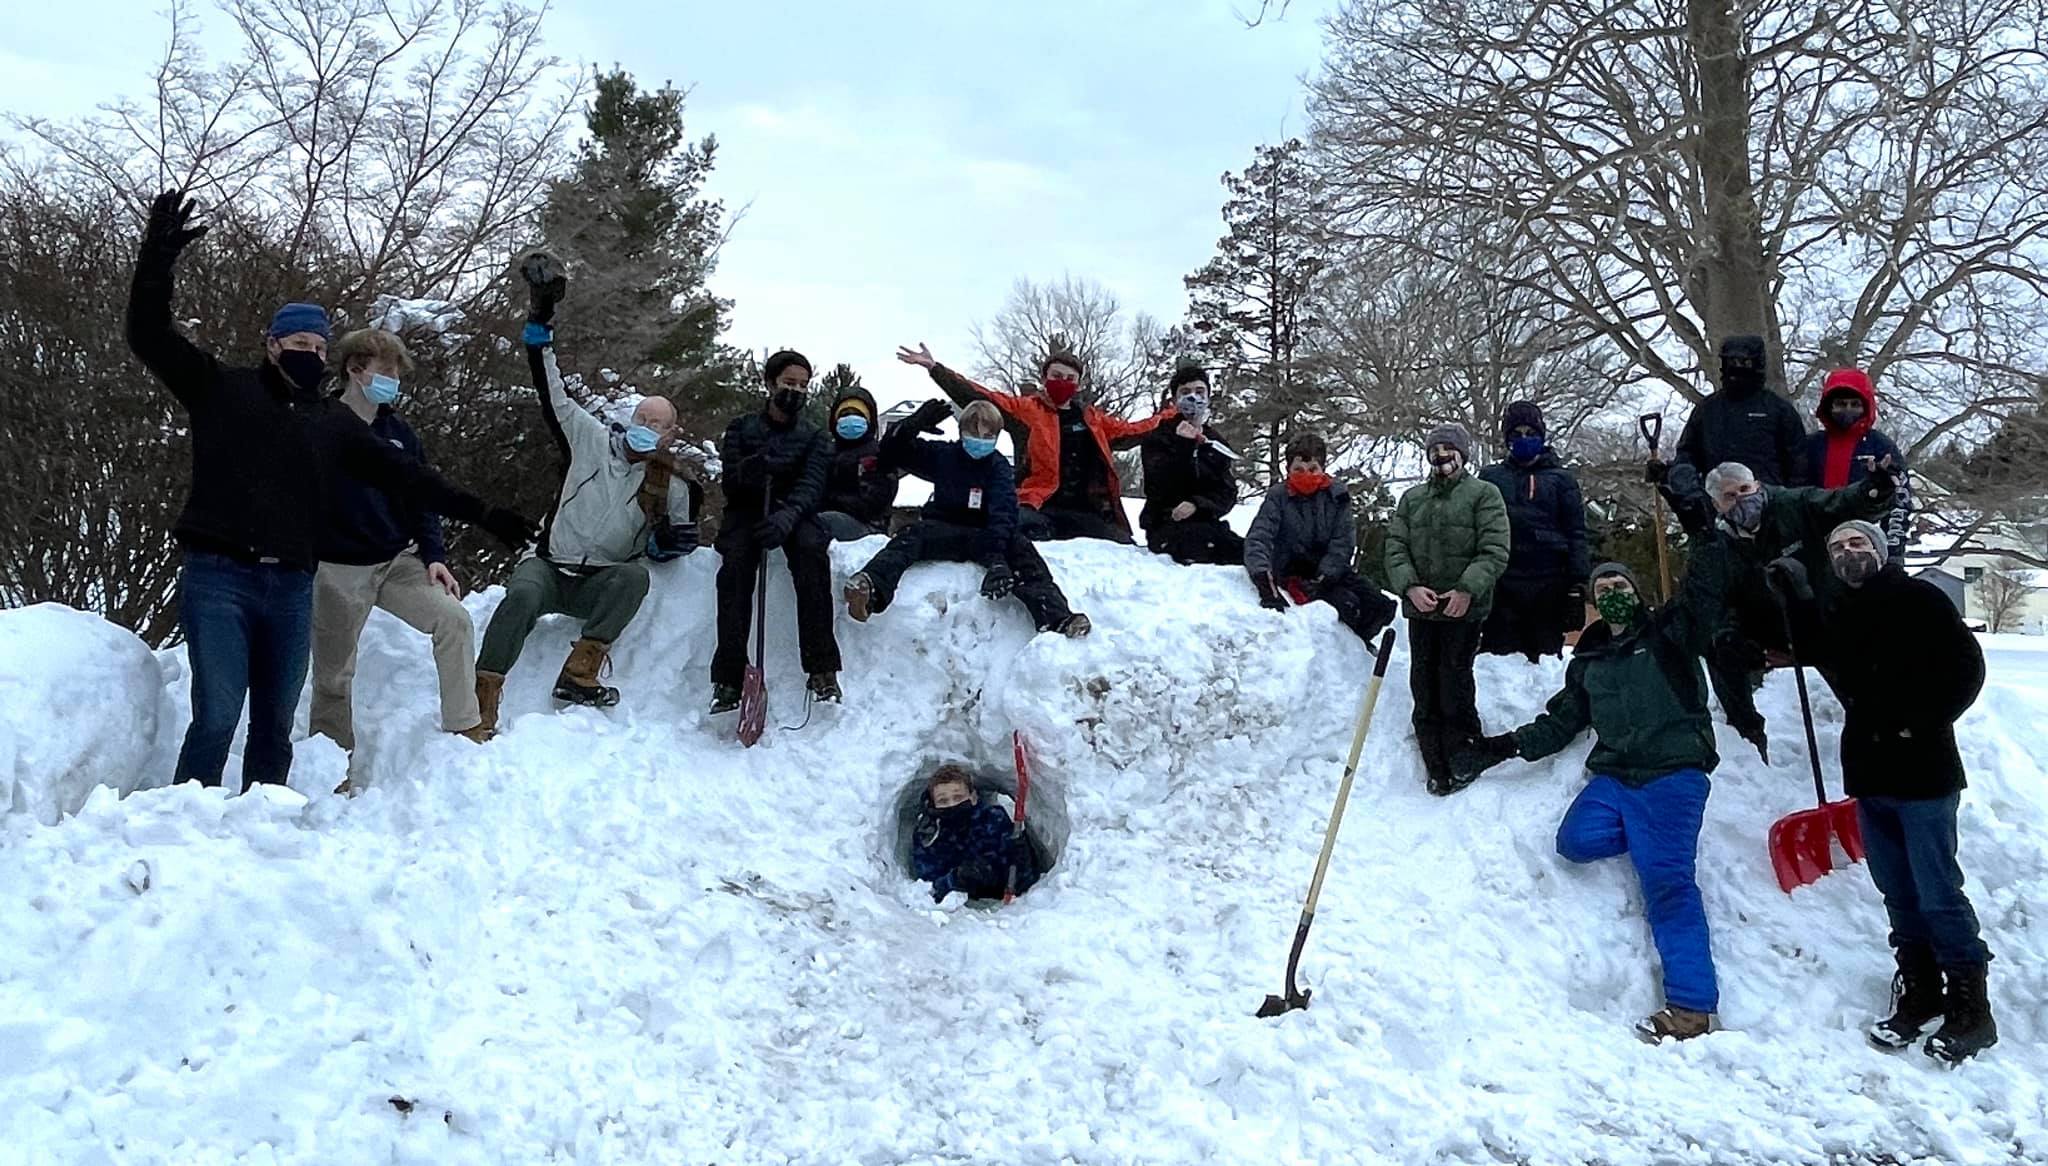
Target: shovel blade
x=753 y=706
x=1801 y=844
x=1848 y=827
x=1282 y=1005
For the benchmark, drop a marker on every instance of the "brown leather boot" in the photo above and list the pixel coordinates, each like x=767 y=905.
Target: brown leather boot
x=578 y=683
x=1674 y=1023
x=489 y=686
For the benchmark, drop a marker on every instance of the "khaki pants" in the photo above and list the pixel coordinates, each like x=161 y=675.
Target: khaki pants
x=342 y=599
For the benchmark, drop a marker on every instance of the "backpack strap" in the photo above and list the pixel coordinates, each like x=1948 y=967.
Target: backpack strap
x=653 y=496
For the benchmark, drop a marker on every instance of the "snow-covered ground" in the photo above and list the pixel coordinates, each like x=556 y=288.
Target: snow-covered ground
x=620 y=938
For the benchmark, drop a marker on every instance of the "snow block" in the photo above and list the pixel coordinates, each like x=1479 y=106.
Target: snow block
x=78 y=709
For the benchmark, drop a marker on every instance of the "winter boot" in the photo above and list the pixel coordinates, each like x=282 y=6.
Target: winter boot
x=578 y=684
x=725 y=698
x=860 y=597
x=1439 y=776
x=1674 y=1023
x=1075 y=626
x=489 y=687
x=1968 y=1028
x=1916 y=1000
x=824 y=686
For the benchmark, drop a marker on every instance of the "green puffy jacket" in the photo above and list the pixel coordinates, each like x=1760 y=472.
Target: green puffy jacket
x=1449 y=535
x=1642 y=693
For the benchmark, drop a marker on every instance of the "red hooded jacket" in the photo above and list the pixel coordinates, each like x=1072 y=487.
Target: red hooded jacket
x=1842 y=443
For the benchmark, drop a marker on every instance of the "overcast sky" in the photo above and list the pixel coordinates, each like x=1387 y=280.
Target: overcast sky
x=900 y=163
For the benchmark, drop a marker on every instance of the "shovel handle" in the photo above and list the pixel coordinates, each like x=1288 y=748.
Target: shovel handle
x=1651 y=425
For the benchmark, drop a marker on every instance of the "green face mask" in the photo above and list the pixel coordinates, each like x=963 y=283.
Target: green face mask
x=1618 y=607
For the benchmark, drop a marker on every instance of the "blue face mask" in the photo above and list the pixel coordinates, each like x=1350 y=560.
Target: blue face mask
x=381 y=390
x=641 y=439
x=852 y=427
x=978 y=447
x=1525 y=449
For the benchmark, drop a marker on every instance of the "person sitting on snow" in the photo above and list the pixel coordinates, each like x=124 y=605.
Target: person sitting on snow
x=1902 y=689
x=265 y=442
x=971 y=518
x=1065 y=448
x=1634 y=679
x=859 y=493
x=1542 y=596
x=776 y=465
x=963 y=844
x=1849 y=446
x=621 y=501
x=1301 y=545
x=1446 y=548
x=1189 y=483
x=378 y=551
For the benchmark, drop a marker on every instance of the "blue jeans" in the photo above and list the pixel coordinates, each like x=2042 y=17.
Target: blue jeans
x=1910 y=844
x=1658 y=827
x=248 y=633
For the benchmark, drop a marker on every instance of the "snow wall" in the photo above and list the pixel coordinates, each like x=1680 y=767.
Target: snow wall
x=617 y=937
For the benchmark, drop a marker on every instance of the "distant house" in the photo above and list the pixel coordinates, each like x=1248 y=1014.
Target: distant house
x=1951 y=585
x=1960 y=574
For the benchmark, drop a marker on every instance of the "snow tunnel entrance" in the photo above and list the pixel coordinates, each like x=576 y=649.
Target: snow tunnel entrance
x=1046 y=826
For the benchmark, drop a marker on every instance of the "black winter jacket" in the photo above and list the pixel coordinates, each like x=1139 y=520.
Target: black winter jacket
x=262 y=448
x=857 y=485
x=1292 y=534
x=1906 y=669
x=966 y=491
x=366 y=526
x=1546 y=518
x=1180 y=469
x=789 y=462
x=1757 y=428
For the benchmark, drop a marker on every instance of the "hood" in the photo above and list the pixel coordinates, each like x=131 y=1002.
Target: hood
x=867 y=399
x=1522 y=413
x=1848 y=380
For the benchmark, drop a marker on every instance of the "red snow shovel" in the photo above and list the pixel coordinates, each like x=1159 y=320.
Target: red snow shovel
x=1801 y=851
x=1295 y=997
x=754 y=686
x=1017 y=830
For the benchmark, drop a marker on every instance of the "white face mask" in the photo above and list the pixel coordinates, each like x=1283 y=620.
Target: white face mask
x=1194 y=407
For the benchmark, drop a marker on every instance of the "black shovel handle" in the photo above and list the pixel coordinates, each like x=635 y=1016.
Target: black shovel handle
x=1651 y=425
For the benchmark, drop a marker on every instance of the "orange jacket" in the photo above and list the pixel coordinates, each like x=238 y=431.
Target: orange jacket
x=1034 y=426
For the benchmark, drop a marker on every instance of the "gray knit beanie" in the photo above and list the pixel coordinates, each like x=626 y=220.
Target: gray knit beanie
x=1453 y=435
x=1868 y=530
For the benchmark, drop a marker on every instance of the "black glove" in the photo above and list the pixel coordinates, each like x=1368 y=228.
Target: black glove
x=1755 y=735
x=671 y=540
x=773 y=530
x=998 y=582
x=1269 y=594
x=546 y=283
x=168 y=231
x=513 y=529
x=928 y=416
x=1656 y=471
x=1788 y=577
x=1482 y=754
x=1883 y=481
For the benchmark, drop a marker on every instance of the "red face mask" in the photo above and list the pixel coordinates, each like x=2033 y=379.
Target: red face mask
x=1061 y=390
x=1302 y=483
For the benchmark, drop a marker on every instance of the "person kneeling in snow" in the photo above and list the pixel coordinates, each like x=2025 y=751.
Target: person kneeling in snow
x=972 y=517
x=964 y=844
x=1635 y=680
x=622 y=500
x=1301 y=545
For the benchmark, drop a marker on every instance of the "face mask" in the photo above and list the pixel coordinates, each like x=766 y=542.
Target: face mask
x=1856 y=567
x=1302 y=483
x=303 y=369
x=978 y=447
x=1618 y=607
x=788 y=402
x=1447 y=464
x=641 y=439
x=852 y=427
x=1742 y=381
x=1525 y=449
x=1748 y=512
x=1846 y=417
x=1194 y=407
x=1061 y=391
x=381 y=390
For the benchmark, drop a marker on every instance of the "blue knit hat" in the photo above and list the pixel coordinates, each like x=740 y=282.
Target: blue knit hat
x=300 y=318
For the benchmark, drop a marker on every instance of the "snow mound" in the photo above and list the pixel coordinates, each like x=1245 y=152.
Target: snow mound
x=617 y=937
x=78 y=709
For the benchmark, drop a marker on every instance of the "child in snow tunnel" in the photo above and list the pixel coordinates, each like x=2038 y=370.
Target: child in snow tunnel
x=964 y=844
x=1635 y=680
x=971 y=518
x=1301 y=545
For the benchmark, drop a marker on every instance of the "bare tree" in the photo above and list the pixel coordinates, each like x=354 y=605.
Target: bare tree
x=2003 y=590
x=1079 y=316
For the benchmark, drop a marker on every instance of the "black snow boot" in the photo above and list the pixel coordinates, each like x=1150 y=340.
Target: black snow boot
x=1968 y=1028
x=1437 y=751
x=1916 y=1000
x=824 y=687
x=725 y=698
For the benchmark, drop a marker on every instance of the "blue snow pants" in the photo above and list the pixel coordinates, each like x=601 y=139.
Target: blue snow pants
x=1658 y=827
